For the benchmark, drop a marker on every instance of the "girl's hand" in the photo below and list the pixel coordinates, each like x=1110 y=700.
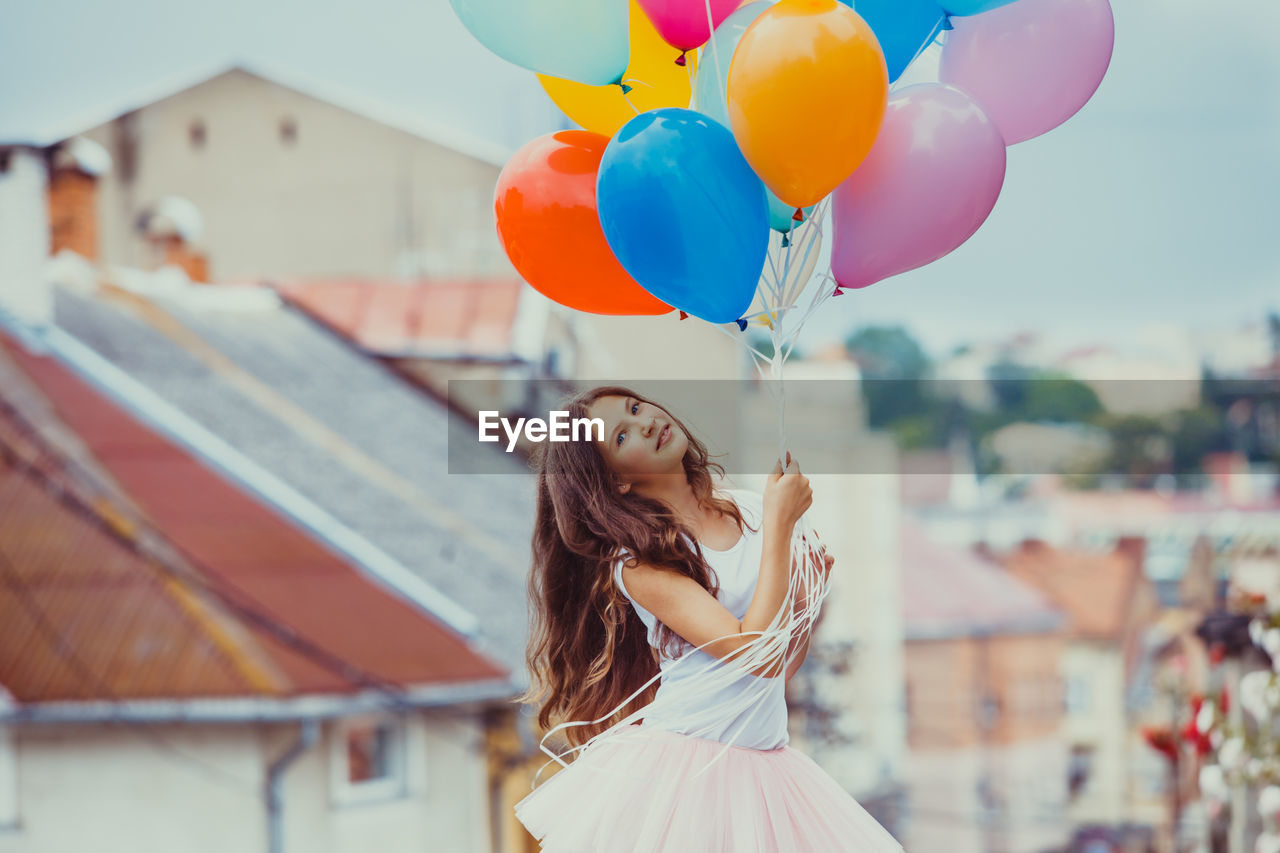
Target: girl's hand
x=787 y=496
x=820 y=550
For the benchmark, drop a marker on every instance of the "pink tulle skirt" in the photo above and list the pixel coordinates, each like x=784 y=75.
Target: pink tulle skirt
x=645 y=790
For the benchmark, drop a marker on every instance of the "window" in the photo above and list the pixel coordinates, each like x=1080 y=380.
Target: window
x=8 y=780
x=1079 y=769
x=1077 y=694
x=196 y=134
x=288 y=131
x=368 y=760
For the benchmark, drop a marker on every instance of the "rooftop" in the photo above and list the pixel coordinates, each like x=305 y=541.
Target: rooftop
x=152 y=576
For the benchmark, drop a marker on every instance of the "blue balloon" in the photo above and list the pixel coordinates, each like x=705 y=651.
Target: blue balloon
x=972 y=7
x=684 y=213
x=903 y=28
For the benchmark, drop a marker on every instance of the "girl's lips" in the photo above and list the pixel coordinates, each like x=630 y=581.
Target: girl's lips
x=664 y=436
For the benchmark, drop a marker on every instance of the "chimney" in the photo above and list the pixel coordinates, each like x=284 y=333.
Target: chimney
x=24 y=236
x=172 y=228
x=74 y=169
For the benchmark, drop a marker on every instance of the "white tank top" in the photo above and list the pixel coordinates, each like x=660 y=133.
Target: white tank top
x=764 y=724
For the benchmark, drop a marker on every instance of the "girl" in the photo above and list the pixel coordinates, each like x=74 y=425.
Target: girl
x=662 y=637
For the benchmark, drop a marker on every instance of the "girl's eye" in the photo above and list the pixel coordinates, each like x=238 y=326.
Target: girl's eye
x=621 y=436
x=635 y=407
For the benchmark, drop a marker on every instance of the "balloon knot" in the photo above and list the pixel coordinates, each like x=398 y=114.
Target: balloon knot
x=626 y=90
x=838 y=290
x=786 y=240
x=742 y=325
x=680 y=59
x=798 y=216
x=684 y=316
x=946 y=22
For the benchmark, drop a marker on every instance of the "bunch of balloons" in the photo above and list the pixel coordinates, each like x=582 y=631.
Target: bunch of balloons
x=709 y=124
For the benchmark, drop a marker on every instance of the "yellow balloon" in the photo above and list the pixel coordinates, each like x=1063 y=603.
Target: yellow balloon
x=807 y=92
x=655 y=80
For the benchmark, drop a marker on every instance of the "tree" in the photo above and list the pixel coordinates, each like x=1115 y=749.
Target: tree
x=893 y=366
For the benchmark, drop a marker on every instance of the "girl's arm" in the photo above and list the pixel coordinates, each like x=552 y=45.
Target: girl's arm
x=697 y=616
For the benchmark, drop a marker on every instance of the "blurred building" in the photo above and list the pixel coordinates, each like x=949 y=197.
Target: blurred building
x=987 y=765
x=1109 y=604
x=186 y=665
x=302 y=184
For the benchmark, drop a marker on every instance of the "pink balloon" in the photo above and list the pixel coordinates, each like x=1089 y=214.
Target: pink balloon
x=930 y=180
x=1032 y=64
x=683 y=23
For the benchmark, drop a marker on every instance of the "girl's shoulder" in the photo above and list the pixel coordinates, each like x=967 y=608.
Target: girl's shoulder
x=750 y=503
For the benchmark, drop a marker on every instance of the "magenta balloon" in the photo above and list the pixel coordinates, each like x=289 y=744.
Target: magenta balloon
x=683 y=23
x=930 y=180
x=1032 y=64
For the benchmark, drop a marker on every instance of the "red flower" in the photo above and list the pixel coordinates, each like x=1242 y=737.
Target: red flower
x=1162 y=740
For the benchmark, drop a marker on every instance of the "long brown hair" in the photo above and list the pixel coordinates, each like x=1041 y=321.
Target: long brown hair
x=589 y=650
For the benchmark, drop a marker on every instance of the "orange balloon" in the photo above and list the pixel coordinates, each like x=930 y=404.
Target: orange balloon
x=806 y=95
x=545 y=203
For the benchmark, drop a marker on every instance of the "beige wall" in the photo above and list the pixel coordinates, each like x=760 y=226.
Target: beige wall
x=111 y=789
x=350 y=197
x=1099 y=723
x=662 y=348
x=945 y=679
x=199 y=788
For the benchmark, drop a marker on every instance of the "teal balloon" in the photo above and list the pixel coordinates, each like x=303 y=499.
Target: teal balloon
x=582 y=40
x=713 y=62
x=903 y=27
x=973 y=7
x=781 y=214
x=712 y=78
x=683 y=212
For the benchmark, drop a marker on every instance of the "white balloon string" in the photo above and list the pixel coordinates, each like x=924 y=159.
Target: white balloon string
x=628 y=100
x=741 y=339
x=715 y=57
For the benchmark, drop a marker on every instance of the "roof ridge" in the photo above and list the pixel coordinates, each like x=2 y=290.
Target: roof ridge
x=334 y=94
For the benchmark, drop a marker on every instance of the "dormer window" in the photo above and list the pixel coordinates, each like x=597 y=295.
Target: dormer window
x=288 y=131
x=196 y=134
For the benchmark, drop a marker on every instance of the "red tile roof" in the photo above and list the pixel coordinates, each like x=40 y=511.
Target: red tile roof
x=134 y=630
x=950 y=591
x=1095 y=590
x=441 y=318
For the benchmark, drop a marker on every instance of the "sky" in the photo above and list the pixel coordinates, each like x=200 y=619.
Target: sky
x=1156 y=205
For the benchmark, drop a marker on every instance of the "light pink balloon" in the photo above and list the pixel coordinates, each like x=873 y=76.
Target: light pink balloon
x=1032 y=64
x=683 y=23
x=930 y=180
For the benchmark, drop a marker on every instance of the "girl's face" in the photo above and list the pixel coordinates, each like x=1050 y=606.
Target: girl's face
x=641 y=441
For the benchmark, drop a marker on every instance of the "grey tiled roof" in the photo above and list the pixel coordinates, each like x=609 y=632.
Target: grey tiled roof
x=346 y=433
